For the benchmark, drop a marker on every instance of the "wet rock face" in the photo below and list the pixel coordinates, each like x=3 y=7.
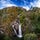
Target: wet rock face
x=16 y=26
x=1 y=31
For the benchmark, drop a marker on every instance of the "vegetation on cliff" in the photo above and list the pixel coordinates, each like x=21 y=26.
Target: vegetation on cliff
x=30 y=21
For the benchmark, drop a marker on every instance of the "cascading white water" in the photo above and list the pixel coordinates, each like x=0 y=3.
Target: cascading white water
x=14 y=29
x=20 y=31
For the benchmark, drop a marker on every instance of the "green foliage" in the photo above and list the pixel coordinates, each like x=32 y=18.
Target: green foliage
x=30 y=36
x=7 y=38
x=2 y=36
x=35 y=21
x=22 y=17
x=8 y=15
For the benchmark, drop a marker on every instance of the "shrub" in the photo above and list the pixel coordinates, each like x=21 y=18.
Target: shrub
x=2 y=36
x=7 y=38
x=30 y=37
x=35 y=22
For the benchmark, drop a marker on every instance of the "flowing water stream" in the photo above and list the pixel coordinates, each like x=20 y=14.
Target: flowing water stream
x=19 y=31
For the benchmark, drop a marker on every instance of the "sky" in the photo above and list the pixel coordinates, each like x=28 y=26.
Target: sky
x=27 y=4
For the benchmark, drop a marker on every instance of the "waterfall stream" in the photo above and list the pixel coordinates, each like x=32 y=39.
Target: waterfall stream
x=14 y=29
x=19 y=31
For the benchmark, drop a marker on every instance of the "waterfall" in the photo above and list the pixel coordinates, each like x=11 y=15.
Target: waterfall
x=14 y=29
x=20 y=31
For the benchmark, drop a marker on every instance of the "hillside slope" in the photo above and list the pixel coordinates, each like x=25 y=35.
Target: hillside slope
x=30 y=20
